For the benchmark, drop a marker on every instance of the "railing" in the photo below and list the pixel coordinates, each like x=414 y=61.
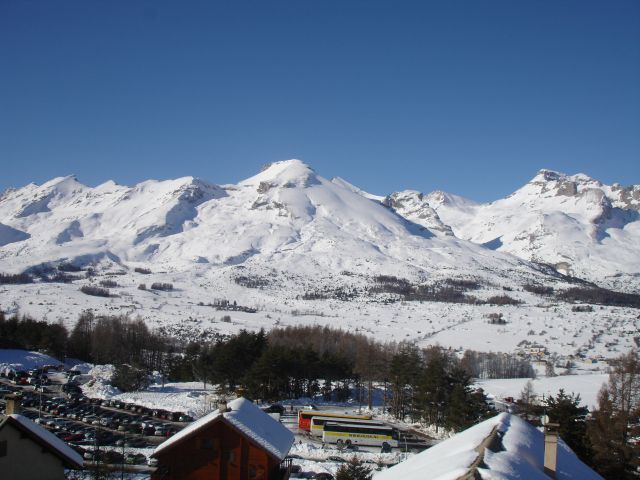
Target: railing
x=284 y=469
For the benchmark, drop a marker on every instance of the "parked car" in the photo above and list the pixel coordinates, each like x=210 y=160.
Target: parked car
x=135 y=459
x=275 y=408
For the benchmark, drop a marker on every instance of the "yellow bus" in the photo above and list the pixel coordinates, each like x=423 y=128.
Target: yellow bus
x=305 y=416
x=317 y=423
x=358 y=434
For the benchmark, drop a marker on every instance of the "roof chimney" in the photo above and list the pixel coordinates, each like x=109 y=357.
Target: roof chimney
x=550 y=449
x=13 y=404
x=222 y=405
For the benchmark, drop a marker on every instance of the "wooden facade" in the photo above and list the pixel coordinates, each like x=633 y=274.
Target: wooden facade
x=218 y=451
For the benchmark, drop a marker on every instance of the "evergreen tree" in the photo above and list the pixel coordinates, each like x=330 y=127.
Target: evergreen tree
x=434 y=389
x=565 y=410
x=354 y=470
x=405 y=369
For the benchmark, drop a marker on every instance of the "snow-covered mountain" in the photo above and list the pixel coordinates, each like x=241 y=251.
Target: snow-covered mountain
x=292 y=247
x=572 y=222
x=286 y=218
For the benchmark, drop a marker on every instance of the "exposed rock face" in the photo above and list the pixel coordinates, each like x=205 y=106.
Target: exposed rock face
x=557 y=219
x=567 y=189
x=414 y=207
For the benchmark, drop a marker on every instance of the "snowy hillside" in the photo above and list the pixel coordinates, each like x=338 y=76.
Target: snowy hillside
x=576 y=224
x=288 y=246
x=286 y=218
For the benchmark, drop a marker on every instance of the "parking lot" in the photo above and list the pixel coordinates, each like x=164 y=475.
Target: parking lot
x=100 y=430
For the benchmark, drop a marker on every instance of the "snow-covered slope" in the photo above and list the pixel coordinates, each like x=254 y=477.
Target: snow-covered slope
x=291 y=247
x=286 y=218
x=575 y=223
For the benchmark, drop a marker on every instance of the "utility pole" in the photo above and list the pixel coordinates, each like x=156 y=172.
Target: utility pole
x=124 y=440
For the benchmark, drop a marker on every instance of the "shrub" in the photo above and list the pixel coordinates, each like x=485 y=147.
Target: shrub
x=503 y=300
x=537 y=289
x=162 y=286
x=144 y=271
x=95 y=291
x=354 y=470
x=128 y=378
x=18 y=278
x=600 y=296
x=582 y=308
x=69 y=267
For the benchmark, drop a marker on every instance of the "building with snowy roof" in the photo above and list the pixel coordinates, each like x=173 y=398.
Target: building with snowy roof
x=503 y=447
x=236 y=442
x=28 y=451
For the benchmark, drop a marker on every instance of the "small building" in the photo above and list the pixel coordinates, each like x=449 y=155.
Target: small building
x=28 y=451
x=537 y=351
x=236 y=442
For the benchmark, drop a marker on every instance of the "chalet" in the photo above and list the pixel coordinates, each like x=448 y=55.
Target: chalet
x=536 y=350
x=236 y=442
x=28 y=451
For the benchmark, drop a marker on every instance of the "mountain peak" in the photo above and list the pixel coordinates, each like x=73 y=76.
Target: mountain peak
x=546 y=175
x=64 y=184
x=286 y=173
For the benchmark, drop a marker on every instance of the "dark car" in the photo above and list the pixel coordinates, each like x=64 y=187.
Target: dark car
x=112 y=457
x=275 y=408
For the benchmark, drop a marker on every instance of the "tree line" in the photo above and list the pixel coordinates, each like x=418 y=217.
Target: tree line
x=30 y=334
x=606 y=438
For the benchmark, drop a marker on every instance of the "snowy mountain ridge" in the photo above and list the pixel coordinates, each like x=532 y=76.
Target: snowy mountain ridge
x=574 y=223
x=291 y=247
x=286 y=218
x=290 y=218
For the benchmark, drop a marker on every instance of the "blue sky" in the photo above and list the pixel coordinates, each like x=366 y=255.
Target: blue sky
x=472 y=97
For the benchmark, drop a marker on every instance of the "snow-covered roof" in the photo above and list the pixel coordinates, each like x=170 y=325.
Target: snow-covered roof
x=504 y=447
x=70 y=457
x=247 y=418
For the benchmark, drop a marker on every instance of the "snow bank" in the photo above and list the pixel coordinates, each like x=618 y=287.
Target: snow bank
x=587 y=386
x=24 y=359
x=100 y=386
x=188 y=397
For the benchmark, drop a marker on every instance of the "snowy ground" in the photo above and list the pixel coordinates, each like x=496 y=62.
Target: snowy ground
x=24 y=360
x=607 y=331
x=192 y=398
x=587 y=386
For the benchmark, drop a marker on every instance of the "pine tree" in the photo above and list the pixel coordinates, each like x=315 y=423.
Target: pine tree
x=434 y=388
x=565 y=410
x=354 y=470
